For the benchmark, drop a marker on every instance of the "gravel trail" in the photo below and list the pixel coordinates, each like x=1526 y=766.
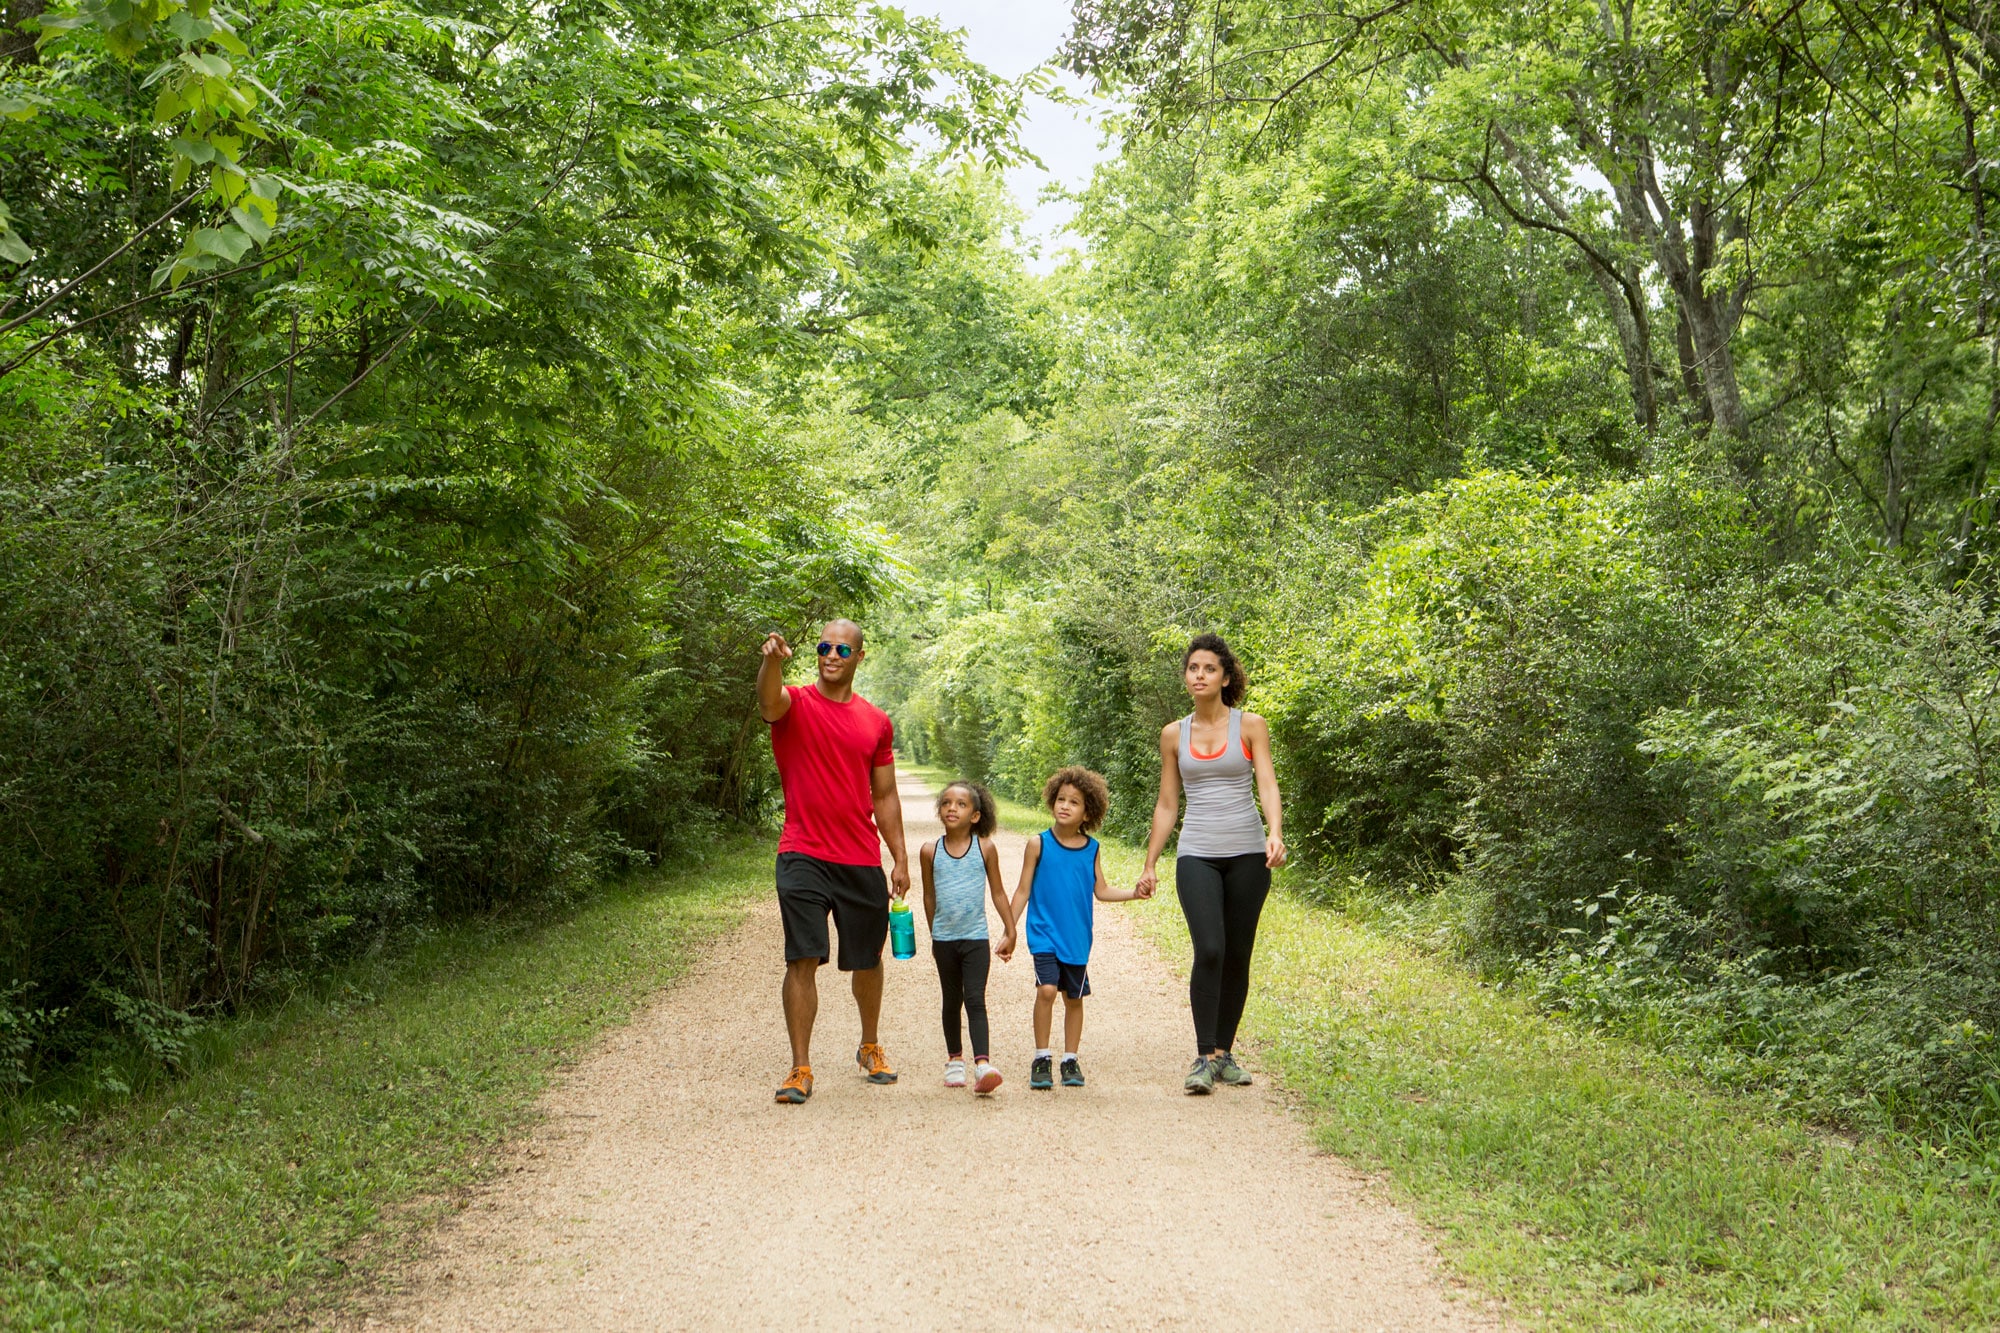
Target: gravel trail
x=665 y=1190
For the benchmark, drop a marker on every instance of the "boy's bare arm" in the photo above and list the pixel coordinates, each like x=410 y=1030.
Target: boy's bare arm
x=1103 y=890
x=1030 y=858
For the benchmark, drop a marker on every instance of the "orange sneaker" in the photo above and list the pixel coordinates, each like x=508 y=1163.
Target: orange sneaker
x=874 y=1062
x=798 y=1087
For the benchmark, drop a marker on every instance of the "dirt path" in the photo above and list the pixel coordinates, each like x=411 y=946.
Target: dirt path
x=667 y=1191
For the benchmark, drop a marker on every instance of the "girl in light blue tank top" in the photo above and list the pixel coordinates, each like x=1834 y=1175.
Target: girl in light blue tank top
x=960 y=871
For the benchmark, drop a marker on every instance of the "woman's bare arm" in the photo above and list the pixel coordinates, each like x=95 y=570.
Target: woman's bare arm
x=1166 y=809
x=1257 y=733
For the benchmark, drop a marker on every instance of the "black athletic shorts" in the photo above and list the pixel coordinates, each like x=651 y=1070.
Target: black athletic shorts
x=858 y=897
x=1072 y=979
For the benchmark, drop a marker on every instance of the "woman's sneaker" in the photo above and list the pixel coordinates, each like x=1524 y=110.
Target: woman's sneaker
x=954 y=1073
x=1072 y=1072
x=1228 y=1071
x=1041 y=1074
x=988 y=1080
x=1201 y=1077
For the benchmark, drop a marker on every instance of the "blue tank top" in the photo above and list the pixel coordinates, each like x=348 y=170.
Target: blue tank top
x=960 y=885
x=1061 y=898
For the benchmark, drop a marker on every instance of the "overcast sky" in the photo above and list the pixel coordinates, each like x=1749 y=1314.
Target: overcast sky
x=1010 y=39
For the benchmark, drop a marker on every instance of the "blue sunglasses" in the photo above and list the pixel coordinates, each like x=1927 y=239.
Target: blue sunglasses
x=845 y=650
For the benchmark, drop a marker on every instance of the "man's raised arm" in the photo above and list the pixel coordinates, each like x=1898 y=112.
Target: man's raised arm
x=772 y=701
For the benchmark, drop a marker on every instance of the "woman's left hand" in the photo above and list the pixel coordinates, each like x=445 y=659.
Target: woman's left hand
x=1274 y=851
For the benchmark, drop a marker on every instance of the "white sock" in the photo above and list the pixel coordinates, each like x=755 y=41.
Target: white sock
x=1068 y=1056
x=1042 y=1053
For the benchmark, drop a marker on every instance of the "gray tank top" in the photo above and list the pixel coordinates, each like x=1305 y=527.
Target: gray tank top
x=1221 y=818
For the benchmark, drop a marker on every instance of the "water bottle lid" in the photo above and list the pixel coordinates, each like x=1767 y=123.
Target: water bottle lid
x=899 y=905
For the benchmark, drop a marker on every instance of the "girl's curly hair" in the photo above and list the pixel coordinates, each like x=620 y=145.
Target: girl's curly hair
x=1090 y=786
x=985 y=810
x=1234 y=682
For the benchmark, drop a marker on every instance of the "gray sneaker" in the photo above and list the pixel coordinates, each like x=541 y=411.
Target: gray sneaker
x=1201 y=1077
x=1228 y=1071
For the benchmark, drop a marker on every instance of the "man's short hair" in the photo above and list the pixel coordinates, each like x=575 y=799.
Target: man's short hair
x=860 y=639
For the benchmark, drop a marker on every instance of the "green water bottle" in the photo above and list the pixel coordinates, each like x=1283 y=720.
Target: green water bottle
x=902 y=930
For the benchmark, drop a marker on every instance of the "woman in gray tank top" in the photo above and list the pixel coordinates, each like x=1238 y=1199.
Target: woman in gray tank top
x=1220 y=757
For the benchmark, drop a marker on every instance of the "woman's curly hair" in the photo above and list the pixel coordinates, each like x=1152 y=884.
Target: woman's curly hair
x=1234 y=682
x=985 y=810
x=1096 y=793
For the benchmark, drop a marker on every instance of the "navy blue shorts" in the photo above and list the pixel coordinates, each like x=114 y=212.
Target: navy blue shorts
x=1072 y=979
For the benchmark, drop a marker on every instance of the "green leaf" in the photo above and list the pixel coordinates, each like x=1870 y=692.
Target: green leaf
x=189 y=28
x=230 y=243
x=12 y=248
x=251 y=222
x=194 y=150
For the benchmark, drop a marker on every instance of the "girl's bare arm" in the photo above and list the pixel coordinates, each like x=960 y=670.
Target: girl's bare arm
x=997 y=889
x=930 y=889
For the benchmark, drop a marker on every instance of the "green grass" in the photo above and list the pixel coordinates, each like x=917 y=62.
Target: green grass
x=1578 y=1178
x=1583 y=1180
x=315 y=1141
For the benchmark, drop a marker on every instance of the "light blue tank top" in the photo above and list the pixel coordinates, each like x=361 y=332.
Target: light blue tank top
x=960 y=885
x=1061 y=898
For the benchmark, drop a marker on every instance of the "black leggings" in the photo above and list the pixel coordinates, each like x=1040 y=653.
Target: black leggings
x=962 y=967
x=1222 y=897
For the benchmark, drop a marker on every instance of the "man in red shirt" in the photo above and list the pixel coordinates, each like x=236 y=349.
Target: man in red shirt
x=839 y=775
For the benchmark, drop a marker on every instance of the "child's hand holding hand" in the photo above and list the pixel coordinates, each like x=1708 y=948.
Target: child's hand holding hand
x=1005 y=948
x=1144 y=888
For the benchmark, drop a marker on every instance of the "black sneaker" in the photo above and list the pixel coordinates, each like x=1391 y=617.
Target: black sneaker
x=1040 y=1074
x=1072 y=1072
x=1228 y=1071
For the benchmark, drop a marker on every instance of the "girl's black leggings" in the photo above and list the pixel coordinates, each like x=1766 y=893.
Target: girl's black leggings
x=1222 y=897
x=962 y=967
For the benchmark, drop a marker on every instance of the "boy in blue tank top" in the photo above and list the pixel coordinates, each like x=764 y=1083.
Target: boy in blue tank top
x=1062 y=879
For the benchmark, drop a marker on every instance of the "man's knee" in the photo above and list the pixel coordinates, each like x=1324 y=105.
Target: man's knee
x=801 y=969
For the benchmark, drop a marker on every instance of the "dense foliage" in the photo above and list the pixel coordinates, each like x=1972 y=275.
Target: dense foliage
x=395 y=479
x=1581 y=419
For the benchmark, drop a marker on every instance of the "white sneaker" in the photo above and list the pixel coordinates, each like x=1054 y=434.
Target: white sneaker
x=989 y=1079
x=954 y=1073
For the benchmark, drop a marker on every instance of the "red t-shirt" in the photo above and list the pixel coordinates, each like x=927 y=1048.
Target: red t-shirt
x=826 y=753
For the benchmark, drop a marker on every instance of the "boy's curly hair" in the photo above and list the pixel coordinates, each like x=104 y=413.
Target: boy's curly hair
x=985 y=810
x=1095 y=791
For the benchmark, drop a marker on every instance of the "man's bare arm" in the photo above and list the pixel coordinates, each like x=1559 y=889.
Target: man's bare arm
x=772 y=701
x=889 y=819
